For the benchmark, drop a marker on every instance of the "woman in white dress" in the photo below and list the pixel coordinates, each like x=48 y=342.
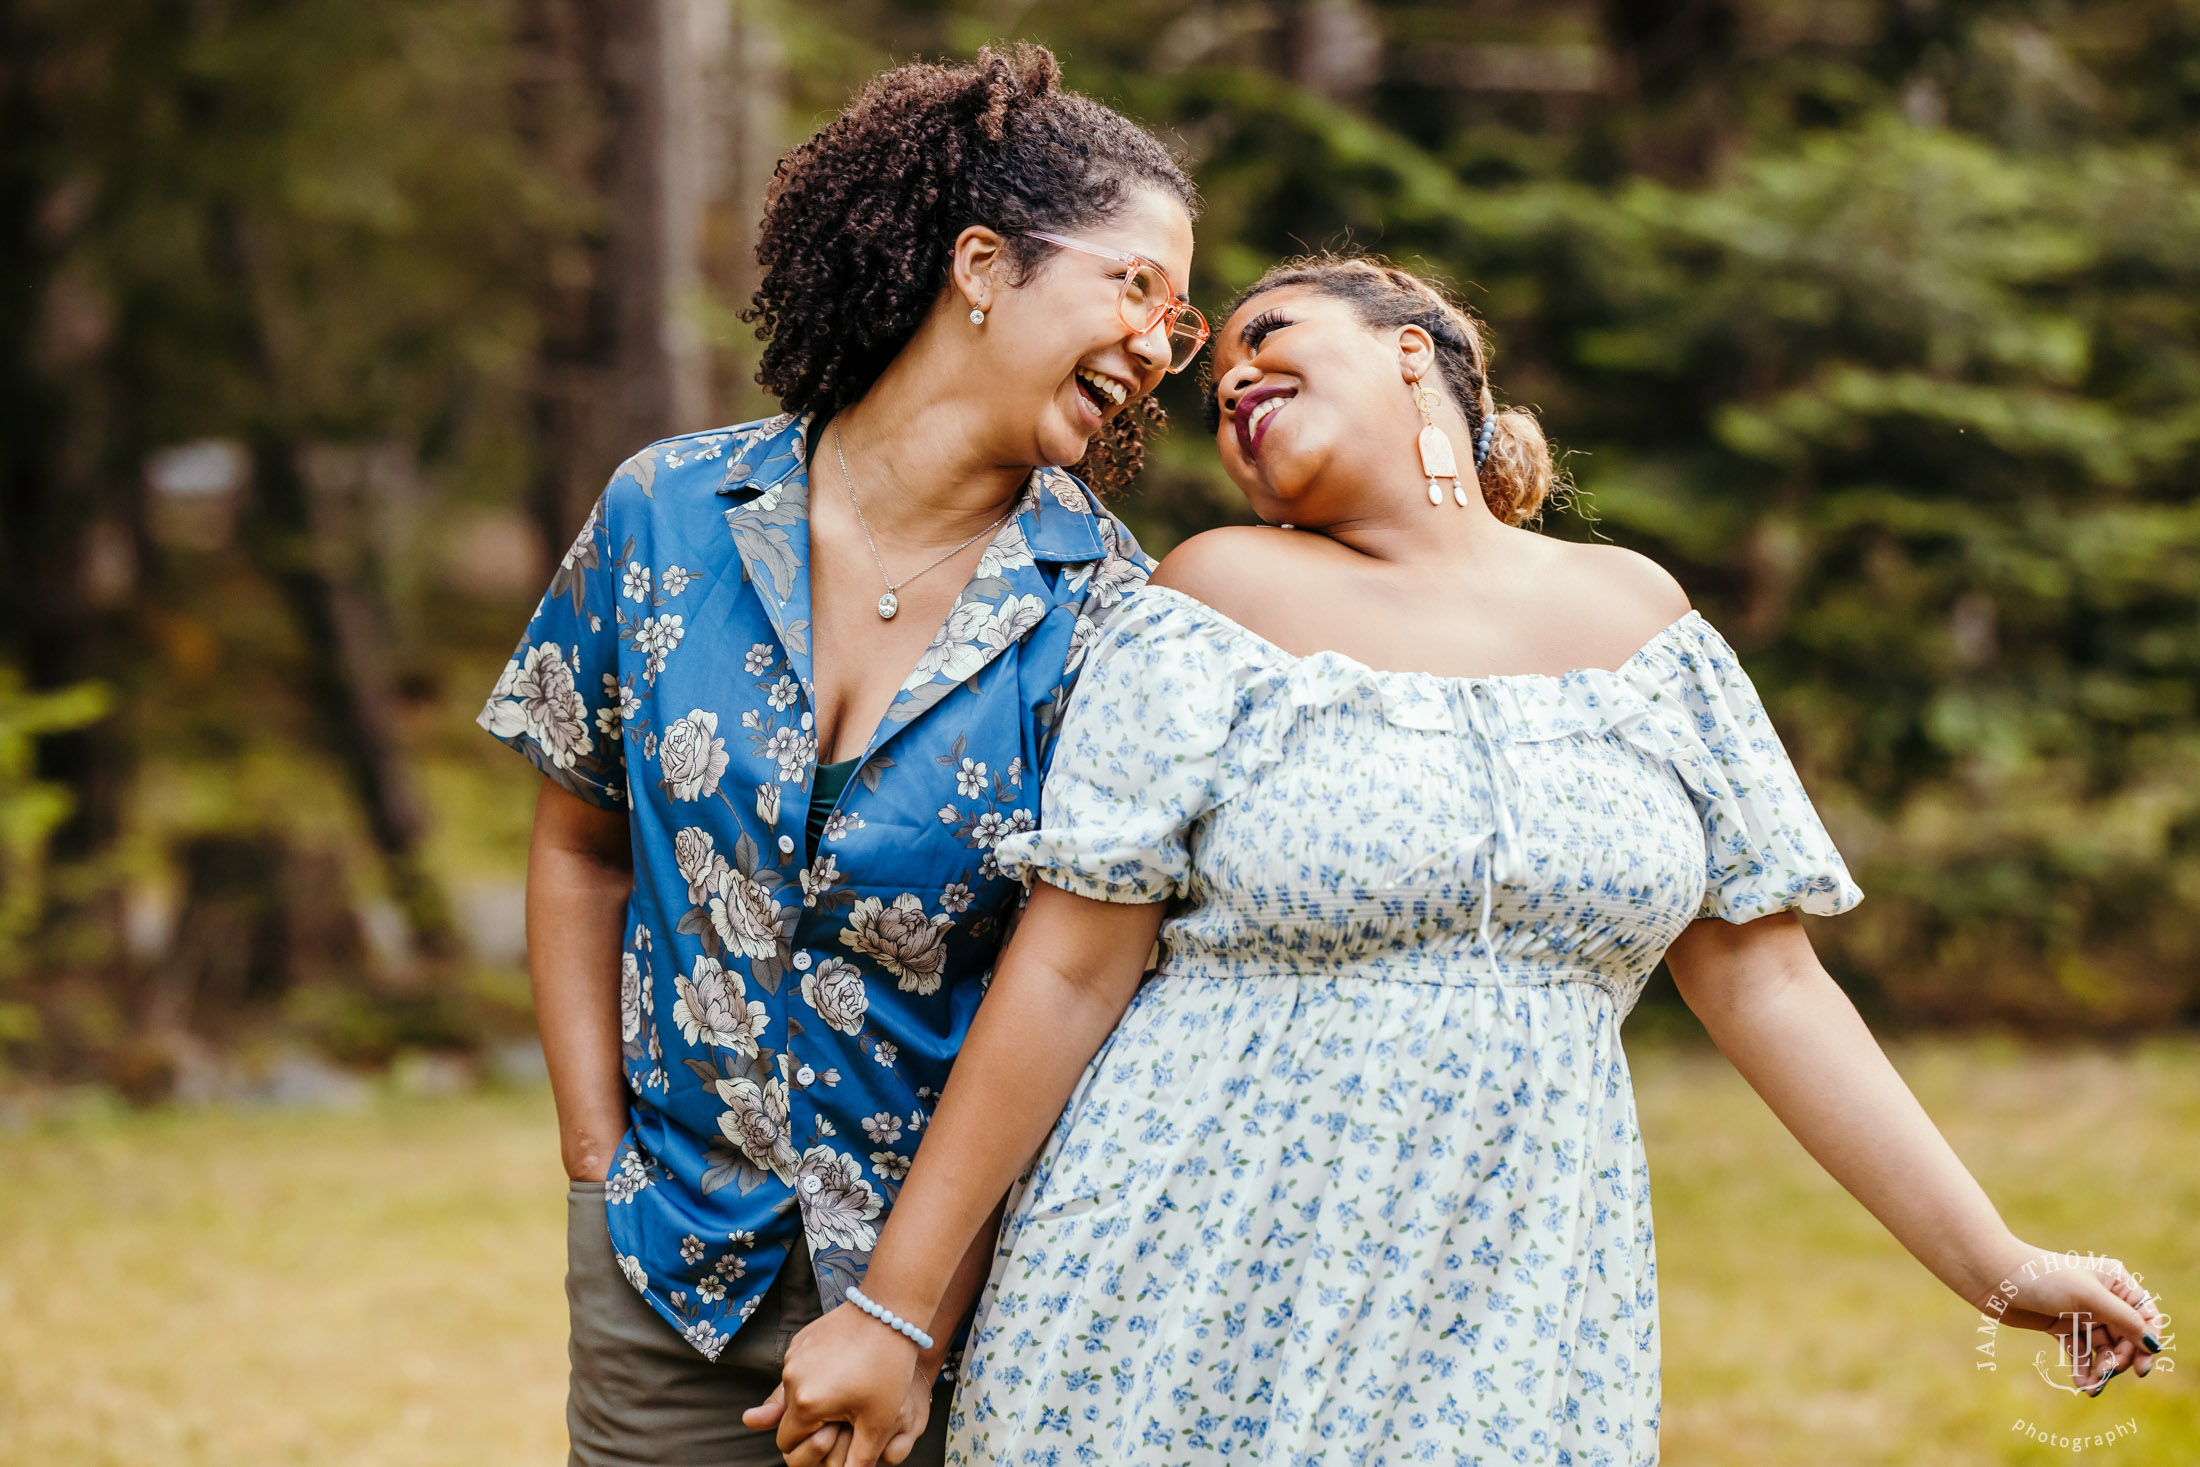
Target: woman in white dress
x=1416 y=800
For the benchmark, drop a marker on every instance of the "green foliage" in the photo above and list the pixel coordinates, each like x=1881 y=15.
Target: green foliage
x=30 y=809
x=1915 y=414
x=1879 y=325
x=312 y=216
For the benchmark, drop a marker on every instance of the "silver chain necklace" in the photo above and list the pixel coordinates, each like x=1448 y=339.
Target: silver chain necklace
x=889 y=603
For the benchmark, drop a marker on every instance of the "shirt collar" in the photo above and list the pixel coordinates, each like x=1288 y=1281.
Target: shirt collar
x=1060 y=521
x=766 y=453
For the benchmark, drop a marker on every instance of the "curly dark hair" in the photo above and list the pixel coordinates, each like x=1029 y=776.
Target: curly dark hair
x=862 y=219
x=1518 y=479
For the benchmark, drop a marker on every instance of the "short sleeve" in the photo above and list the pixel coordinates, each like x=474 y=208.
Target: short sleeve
x=559 y=700
x=1765 y=848
x=1147 y=748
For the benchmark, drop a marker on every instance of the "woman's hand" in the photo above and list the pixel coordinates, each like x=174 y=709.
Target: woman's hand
x=848 y=1368
x=2093 y=1305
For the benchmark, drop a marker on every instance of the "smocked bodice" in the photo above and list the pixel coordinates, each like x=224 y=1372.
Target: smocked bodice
x=1517 y=829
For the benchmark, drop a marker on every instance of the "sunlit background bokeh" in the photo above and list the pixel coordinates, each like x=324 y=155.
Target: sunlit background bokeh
x=1876 y=321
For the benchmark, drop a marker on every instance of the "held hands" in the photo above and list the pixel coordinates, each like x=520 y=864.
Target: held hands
x=848 y=1368
x=2105 y=1321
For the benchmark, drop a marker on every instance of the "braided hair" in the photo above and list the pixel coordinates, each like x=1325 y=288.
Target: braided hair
x=1515 y=472
x=860 y=223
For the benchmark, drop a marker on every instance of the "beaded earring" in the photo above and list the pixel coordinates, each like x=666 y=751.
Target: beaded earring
x=1437 y=459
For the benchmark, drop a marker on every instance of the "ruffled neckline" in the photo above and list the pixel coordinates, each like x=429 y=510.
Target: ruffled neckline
x=1675 y=630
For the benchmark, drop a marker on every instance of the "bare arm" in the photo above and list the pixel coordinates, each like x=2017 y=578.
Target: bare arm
x=1775 y=1012
x=580 y=869
x=1058 y=992
x=1057 y=995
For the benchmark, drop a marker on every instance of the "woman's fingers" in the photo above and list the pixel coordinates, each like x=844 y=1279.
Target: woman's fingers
x=2125 y=1319
x=813 y=1449
x=898 y=1450
x=766 y=1416
x=2128 y=1288
x=805 y=1435
x=869 y=1442
x=843 y=1443
x=2105 y=1359
x=2122 y=1324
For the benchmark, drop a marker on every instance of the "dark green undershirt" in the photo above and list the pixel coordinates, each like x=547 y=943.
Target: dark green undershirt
x=824 y=794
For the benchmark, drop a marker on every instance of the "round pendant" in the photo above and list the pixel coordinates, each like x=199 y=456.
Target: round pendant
x=888 y=604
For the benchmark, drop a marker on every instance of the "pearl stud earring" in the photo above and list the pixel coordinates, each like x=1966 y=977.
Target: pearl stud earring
x=977 y=317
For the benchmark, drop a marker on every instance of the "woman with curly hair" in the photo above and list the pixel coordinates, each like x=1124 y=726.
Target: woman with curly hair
x=1414 y=800
x=793 y=685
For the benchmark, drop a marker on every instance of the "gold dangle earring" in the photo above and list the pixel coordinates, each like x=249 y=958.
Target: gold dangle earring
x=1437 y=459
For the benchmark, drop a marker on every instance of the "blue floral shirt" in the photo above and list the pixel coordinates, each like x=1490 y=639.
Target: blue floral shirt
x=790 y=1016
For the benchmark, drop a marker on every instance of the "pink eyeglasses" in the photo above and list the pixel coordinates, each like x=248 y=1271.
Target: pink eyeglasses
x=1146 y=301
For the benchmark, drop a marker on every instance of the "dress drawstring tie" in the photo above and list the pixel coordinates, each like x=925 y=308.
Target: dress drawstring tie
x=1475 y=715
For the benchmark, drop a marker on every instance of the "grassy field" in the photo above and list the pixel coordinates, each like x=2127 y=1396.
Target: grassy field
x=381 y=1288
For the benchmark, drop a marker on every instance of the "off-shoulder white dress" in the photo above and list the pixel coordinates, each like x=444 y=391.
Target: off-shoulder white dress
x=1358 y=1179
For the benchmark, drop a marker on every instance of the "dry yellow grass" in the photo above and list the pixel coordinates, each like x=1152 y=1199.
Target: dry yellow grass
x=229 y=1290
x=1797 y=1334
x=224 y=1289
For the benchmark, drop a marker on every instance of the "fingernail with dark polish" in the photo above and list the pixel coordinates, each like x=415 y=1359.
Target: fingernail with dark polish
x=2154 y=1346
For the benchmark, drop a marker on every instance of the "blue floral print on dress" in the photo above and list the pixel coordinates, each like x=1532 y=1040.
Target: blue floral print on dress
x=1358 y=1179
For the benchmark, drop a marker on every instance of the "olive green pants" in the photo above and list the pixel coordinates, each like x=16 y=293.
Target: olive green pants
x=640 y=1396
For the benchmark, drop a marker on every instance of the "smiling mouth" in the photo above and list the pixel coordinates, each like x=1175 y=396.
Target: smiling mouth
x=1254 y=412
x=1103 y=393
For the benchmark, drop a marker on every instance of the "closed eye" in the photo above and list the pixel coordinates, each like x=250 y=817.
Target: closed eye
x=1252 y=334
x=1261 y=327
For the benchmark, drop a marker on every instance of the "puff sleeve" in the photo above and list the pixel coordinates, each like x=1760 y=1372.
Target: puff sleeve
x=1152 y=741
x=1765 y=848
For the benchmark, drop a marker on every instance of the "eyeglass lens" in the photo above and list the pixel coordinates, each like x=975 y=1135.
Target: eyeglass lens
x=1185 y=340
x=1146 y=300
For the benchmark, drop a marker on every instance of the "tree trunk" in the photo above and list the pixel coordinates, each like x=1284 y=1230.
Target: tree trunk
x=565 y=107
x=622 y=361
x=309 y=550
x=663 y=182
x=754 y=91
x=58 y=623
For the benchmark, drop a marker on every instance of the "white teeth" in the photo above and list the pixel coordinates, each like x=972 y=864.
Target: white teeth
x=1108 y=387
x=1262 y=412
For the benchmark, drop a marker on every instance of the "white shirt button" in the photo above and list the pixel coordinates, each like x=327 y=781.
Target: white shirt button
x=807 y=721
x=812 y=1185
x=802 y=962
x=786 y=845
x=805 y=1076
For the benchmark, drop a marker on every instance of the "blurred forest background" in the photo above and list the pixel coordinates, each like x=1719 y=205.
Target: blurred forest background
x=1877 y=321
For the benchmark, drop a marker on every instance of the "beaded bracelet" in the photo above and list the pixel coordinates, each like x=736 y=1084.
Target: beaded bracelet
x=889 y=1318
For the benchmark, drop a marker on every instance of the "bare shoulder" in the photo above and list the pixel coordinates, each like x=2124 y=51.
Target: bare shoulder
x=1237 y=569
x=1629 y=587
x=1615 y=601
